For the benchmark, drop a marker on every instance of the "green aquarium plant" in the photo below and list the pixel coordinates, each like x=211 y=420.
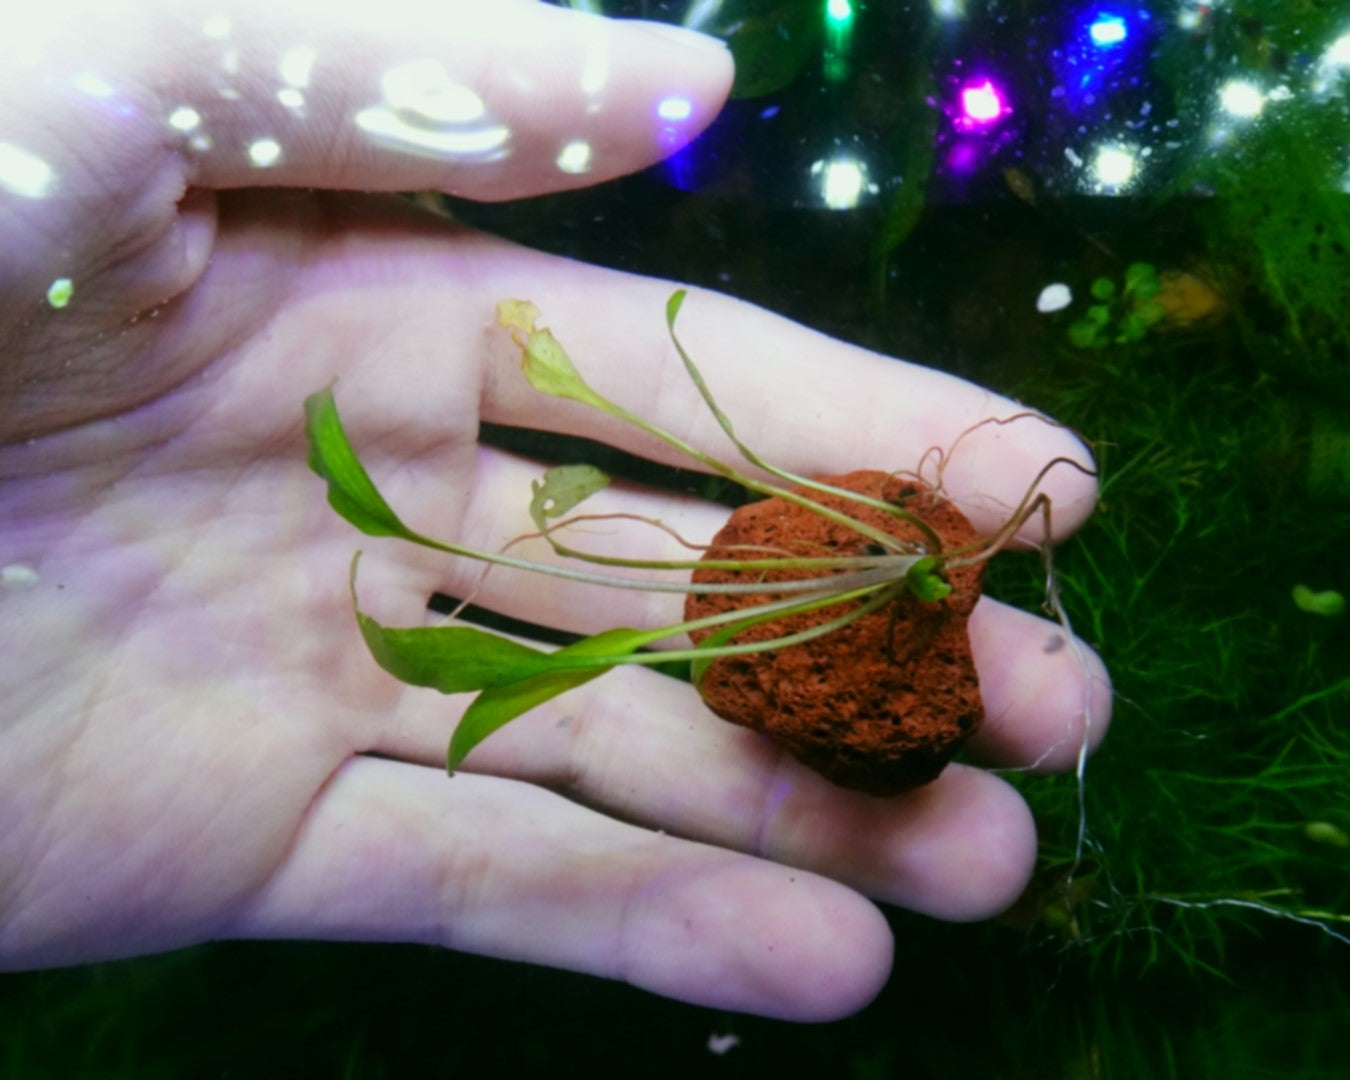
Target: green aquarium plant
x=1120 y=316
x=898 y=557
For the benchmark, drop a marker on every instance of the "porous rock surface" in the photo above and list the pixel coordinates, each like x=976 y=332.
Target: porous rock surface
x=880 y=705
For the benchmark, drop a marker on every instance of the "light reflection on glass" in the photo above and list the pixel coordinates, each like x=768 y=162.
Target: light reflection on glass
x=949 y=9
x=1107 y=30
x=1338 y=55
x=1241 y=99
x=1114 y=167
x=702 y=12
x=981 y=103
x=843 y=182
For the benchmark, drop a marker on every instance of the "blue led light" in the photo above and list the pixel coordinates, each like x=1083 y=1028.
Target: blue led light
x=1107 y=30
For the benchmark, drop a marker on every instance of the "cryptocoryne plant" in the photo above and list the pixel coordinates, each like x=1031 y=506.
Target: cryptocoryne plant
x=510 y=678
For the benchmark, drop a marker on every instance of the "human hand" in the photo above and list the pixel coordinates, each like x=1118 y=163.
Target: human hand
x=193 y=741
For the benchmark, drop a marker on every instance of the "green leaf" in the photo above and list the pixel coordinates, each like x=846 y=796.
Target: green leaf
x=1150 y=311
x=350 y=490
x=1103 y=288
x=924 y=580
x=497 y=706
x=1141 y=280
x=545 y=362
x=1325 y=602
x=561 y=489
x=1132 y=328
x=1084 y=334
x=451 y=659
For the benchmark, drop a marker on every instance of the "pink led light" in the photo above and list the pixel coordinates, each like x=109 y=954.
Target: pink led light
x=982 y=103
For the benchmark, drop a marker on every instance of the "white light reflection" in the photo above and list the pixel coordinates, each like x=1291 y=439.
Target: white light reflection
x=702 y=12
x=1331 y=66
x=575 y=157
x=1241 y=99
x=22 y=173
x=185 y=118
x=217 y=27
x=86 y=82
x=843 y=182
x=296 y=65
x=295 y=68
x=595 y=71
x=1054 y=297
x=1338 y=55
x=426 y=112
x=264 y=153
x=948 y=9
x=1114 y=167
x=675 y=108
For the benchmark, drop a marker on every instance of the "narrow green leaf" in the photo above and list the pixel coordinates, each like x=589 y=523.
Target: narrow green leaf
x=673 y=306
x=561 y=489
x=351 y=492
x=497 y=706
x=451 y=659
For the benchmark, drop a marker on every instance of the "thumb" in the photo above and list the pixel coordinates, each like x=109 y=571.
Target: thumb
x=486 y=100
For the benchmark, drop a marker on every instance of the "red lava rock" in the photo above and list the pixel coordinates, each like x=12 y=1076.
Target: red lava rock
x=880 y=705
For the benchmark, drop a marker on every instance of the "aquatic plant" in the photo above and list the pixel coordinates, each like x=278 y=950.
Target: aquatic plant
x=1120 y=316
x=887 y=549
x=1204 y=581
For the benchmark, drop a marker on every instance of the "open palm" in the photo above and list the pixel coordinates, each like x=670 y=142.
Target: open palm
x=193 y=742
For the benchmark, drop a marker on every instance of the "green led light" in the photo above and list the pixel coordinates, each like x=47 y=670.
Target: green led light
x=839 y=16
